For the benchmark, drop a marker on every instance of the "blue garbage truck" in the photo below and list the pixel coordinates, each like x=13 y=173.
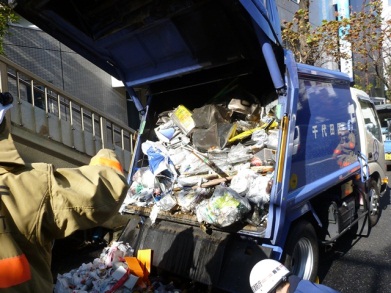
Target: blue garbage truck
x=209 y=77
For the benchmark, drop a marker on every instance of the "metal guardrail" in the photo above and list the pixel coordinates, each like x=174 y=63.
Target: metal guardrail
x=51 y=113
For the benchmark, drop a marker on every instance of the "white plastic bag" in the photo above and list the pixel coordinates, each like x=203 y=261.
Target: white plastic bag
x=166 y=203
x=158 y=158
x=224 y=208
x=189 y=198
x=257 y=192
x=241 y=182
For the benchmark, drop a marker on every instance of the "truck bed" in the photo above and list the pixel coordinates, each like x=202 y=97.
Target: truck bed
x=191 y=219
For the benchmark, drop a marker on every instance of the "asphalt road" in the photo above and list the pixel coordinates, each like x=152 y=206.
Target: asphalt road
x=361 y=264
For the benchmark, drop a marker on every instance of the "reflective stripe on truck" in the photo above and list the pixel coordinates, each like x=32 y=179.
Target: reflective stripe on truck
x=281 y=156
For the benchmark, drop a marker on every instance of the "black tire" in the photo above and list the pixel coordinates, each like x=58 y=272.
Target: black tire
x=301 y=255
x=373 y=202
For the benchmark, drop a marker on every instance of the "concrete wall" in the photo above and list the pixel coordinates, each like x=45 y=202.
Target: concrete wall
x=49 y=59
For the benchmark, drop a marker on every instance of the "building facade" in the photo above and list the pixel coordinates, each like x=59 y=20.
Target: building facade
x=31 y=48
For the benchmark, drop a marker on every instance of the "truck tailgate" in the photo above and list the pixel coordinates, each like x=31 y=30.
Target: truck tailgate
x=186 y=250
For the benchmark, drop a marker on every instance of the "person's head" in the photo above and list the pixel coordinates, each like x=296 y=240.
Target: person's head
x=343 y=129
x=6 y=100
x=267 y=276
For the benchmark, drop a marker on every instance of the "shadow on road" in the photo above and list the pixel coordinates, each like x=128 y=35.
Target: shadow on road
x=347 y=241
x=385 y=200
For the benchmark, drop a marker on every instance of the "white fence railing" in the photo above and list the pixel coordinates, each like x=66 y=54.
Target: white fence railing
x=49 y=112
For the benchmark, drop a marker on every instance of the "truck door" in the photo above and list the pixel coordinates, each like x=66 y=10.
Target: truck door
x=373 y=137
x=324 y=118
x=384 y=113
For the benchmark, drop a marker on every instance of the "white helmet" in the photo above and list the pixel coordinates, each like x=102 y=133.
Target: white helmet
x=342 y=127
x=266 y=275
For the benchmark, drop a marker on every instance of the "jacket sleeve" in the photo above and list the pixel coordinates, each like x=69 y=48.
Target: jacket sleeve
x=86 y=197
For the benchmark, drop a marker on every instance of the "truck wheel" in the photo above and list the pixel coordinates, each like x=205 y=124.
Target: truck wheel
x=373 y=203
x=301 y=255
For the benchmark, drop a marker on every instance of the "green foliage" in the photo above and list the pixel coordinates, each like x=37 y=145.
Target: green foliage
x=366 y=33
x=308 y=43
x=7 y=16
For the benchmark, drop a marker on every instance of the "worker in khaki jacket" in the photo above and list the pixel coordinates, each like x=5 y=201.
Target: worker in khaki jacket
x=39 y=203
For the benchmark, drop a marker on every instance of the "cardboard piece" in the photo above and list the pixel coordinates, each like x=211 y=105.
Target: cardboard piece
x=134 y=266
x=145 y=258
x=181 y=116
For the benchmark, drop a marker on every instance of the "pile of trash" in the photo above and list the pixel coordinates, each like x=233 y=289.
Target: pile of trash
x=116 y=270
x=215 y=162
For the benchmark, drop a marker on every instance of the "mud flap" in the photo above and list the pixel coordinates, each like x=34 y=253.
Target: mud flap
x=363 y=214
x=220 y=259
x=363 y=218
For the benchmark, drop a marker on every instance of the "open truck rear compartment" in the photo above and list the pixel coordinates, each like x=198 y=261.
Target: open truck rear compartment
x=202 y=163
x=177 y=237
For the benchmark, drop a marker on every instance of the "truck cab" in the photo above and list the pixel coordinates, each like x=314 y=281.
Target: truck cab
x=372 y=135
x=320 y=177
x=373 y=143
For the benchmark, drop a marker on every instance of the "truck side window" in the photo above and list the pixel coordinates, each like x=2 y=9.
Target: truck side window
x=325 y=119
x=370 y=118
